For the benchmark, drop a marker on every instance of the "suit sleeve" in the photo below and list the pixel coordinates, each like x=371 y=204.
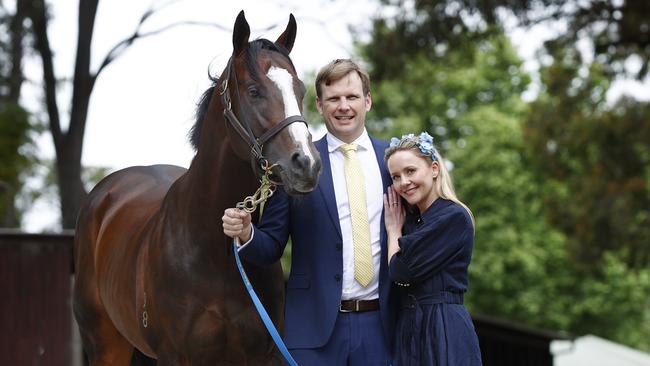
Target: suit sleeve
x=271 y=232
x=430 y=248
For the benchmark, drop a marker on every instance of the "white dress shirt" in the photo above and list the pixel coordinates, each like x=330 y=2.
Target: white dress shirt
x=375 y=202
x=351 y=289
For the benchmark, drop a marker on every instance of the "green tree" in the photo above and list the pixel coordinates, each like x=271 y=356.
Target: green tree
x=521 y=267
x=17 y=157
x=595 y=160
x=515 y=250
x=433 y=94
x=618 y=30
x=17 y=150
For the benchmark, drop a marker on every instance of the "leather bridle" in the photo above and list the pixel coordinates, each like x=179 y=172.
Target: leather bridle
x=256 y=144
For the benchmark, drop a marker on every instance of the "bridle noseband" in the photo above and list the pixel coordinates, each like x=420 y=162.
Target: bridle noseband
x=256 y=144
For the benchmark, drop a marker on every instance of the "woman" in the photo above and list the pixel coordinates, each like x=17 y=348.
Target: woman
x=429 y=251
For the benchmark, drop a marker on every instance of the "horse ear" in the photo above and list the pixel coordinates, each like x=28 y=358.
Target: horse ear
x=240 y=34
x=287 y=37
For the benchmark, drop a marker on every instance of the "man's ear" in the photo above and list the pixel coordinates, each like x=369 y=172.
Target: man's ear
x=368 y=102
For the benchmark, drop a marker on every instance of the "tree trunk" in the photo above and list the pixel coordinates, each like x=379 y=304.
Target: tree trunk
x=17 y=34
x=68 y=144
x=71 y=189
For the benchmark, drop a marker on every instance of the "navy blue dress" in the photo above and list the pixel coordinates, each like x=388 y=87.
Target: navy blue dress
x=433 y=326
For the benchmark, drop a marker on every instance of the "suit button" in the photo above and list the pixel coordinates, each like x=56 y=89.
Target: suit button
x=339 y=246
x=337 y=277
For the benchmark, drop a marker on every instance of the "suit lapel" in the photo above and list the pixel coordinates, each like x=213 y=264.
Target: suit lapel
x=379 y=147
x=326 y=184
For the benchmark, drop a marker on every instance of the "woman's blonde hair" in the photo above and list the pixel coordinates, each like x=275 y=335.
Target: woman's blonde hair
x=423 y=147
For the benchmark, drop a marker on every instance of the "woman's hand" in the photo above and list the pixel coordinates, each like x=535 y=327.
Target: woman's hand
x=237 y=224
x=394 y=214
x=394 y=217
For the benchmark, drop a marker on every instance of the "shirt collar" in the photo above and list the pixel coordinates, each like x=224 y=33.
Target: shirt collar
x=333 y=142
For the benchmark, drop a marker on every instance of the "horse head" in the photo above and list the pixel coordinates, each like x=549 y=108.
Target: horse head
x=262 y=98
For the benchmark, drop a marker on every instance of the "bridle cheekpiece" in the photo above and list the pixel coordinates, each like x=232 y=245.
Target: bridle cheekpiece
x=256 y=144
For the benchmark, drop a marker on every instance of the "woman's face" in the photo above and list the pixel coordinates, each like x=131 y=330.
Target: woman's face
x=413 y=177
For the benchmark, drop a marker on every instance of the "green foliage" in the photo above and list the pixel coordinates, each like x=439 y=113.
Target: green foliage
x=616 y=29
x=428 y=28
x=595 y=160
x=515 y=250
x=309 y=102
x=285 y=261
x=521 y=269
x=432 y=95
x=17 y=159
x=5 y=61
x=91 y=175
x=614 y=304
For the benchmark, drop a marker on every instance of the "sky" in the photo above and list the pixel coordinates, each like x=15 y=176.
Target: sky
x=143 y=103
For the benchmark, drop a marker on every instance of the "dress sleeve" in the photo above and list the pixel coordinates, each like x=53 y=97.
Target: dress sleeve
x=431 y=247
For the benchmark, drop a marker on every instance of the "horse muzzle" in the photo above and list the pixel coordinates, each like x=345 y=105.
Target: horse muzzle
x=300 y=173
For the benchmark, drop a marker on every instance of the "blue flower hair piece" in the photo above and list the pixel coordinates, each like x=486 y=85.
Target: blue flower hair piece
x=424 y=142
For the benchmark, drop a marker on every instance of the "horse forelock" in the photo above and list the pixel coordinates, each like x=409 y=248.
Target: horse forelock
x=253 y=52
x=251 y=61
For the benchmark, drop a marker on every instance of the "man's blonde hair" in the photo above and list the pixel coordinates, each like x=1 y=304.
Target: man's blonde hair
x=336 y=70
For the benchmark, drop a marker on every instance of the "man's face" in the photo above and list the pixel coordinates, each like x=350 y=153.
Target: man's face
x=343 y=106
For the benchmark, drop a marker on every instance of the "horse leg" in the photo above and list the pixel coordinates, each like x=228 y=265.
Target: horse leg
x=102 y=342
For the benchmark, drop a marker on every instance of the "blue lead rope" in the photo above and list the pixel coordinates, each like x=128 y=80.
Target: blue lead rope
x=260 y=310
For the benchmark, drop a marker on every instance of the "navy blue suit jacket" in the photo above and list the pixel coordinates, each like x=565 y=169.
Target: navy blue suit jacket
x=314 y=285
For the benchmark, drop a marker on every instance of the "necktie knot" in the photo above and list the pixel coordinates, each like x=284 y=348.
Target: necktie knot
x=348 y=148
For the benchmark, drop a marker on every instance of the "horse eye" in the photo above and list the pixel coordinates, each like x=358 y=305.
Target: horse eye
x=253 y=92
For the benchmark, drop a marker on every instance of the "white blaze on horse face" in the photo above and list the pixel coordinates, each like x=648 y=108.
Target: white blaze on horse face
x=298 y=131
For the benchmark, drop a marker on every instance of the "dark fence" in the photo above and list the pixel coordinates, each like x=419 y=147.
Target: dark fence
x=36 y=324
x=35 y=280
x=507 y=344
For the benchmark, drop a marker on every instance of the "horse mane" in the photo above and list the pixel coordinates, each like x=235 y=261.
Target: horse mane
x=252 y=52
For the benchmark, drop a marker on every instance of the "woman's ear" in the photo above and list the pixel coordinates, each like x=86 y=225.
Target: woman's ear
x=435 y=166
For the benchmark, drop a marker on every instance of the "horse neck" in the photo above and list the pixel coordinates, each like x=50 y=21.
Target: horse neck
x=217 y=178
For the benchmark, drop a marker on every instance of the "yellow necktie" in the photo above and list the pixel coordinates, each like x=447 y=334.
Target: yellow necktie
x=356 y=187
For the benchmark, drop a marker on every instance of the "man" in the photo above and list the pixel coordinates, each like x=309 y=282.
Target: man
x=337 y=309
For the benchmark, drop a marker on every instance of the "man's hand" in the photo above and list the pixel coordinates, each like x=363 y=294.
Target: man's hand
x=237 y=224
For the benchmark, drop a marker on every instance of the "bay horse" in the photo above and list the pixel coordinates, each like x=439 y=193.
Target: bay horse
x=154 y=270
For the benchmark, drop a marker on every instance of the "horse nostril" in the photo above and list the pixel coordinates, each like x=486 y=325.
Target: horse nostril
x=300 y=160
x=303 y=163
